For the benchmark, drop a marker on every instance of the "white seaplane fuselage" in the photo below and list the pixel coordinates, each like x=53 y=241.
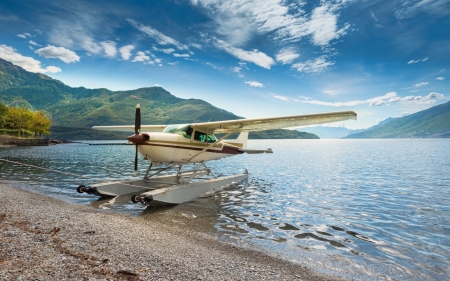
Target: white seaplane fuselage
x=177 y=149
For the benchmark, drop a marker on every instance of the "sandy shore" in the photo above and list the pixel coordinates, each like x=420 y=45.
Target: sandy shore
x=42 y=238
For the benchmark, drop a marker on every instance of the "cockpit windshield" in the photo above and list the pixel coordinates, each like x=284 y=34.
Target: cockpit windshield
x=185 y=130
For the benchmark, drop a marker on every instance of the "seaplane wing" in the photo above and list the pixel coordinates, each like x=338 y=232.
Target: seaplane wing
x=262 y=124
x=130 y=128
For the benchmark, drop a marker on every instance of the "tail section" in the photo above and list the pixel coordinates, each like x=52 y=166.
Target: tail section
x=242 y=138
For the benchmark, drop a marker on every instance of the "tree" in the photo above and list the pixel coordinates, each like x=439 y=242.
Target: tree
x=19 y=118
x=3 y=115
x=41 y=123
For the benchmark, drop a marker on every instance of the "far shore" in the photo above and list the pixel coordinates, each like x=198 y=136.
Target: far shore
x=48 y=239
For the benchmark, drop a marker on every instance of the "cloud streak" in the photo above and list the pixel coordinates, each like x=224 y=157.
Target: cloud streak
x=159 y=37
x=255 y=84
x=317 y=65
x=255 y=56
x=385 y=99
x=419 y=60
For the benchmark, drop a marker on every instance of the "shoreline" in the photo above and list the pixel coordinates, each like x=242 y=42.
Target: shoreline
x=45 y=238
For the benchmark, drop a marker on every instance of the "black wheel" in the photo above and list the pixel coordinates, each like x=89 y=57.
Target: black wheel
x=81 y=189
x=136 y=198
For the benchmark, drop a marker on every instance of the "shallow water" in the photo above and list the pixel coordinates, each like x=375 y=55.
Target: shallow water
x=364 y=209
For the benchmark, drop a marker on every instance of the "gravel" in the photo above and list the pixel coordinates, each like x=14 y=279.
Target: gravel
x=42 y=238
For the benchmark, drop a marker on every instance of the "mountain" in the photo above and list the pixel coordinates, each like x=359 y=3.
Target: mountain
x=325 y=132
x=75 y=110
x=430 y=123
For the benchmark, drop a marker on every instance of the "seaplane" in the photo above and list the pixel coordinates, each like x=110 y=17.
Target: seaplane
x=178 y=153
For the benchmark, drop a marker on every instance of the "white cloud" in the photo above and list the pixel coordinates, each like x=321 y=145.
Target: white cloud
x=160 y=38
x=237 y=21
x=315 y=66
x=52 y=69
x=255 y=84
x=385 y=99
x=110 y=48
x=24 y=35
x=428 y=99
x=61 y=53
x=166 y=50
x=440 y=78
x=31 y=42
x=286 y=55
x=142 y=57
x=419 y=60
x=280 y=97
x=323 y=25
x=421 y=84
x=255 y=56
x=195 y=45
x=28 y=63
x=181 y=55
x=125 y=51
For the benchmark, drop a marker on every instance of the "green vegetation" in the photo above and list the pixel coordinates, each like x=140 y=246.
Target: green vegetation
x=17 y=120
x=281 y=134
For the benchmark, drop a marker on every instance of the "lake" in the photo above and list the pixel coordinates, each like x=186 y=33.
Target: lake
x=363 y=209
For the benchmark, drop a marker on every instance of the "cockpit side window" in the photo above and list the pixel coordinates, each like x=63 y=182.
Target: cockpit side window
x=200 y=136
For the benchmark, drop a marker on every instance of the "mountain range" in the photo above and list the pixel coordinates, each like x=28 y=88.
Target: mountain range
x=74 y=110
x=433 y=122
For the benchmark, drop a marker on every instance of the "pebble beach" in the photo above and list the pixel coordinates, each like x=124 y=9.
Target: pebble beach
x=43 y=238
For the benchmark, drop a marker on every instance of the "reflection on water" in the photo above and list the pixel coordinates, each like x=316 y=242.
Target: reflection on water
x=365 y=209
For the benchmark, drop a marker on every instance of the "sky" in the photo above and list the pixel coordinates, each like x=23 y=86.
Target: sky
x=254 y=58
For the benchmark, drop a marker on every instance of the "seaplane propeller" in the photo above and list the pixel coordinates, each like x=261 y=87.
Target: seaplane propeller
x=137 y=138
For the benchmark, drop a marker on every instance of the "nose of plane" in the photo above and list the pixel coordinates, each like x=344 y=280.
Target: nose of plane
x=138 y=138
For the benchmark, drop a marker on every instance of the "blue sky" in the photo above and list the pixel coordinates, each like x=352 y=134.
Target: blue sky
x=254 y=58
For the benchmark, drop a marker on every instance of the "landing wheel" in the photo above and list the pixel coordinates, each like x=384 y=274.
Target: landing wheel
x=81 y=189
x=136 y=198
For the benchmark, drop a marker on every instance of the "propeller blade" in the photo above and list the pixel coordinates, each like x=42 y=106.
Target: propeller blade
x=136 y=160
x=137 y=129
x=137 y=120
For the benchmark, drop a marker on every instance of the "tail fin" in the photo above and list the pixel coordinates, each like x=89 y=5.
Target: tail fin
x=242 y=138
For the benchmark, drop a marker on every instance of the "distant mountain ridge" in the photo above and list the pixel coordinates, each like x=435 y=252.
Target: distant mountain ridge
x=325 y=132
x=433 y=122
x=75 y=110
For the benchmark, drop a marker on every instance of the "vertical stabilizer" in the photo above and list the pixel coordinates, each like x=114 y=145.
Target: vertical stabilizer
x=242 y=138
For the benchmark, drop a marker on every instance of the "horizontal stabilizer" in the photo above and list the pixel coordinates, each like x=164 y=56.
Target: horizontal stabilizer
x=256 y=151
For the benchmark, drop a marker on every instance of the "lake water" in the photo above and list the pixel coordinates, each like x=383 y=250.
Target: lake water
x=363 y=209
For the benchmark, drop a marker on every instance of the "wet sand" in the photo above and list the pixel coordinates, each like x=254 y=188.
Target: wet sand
x=42 y=238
